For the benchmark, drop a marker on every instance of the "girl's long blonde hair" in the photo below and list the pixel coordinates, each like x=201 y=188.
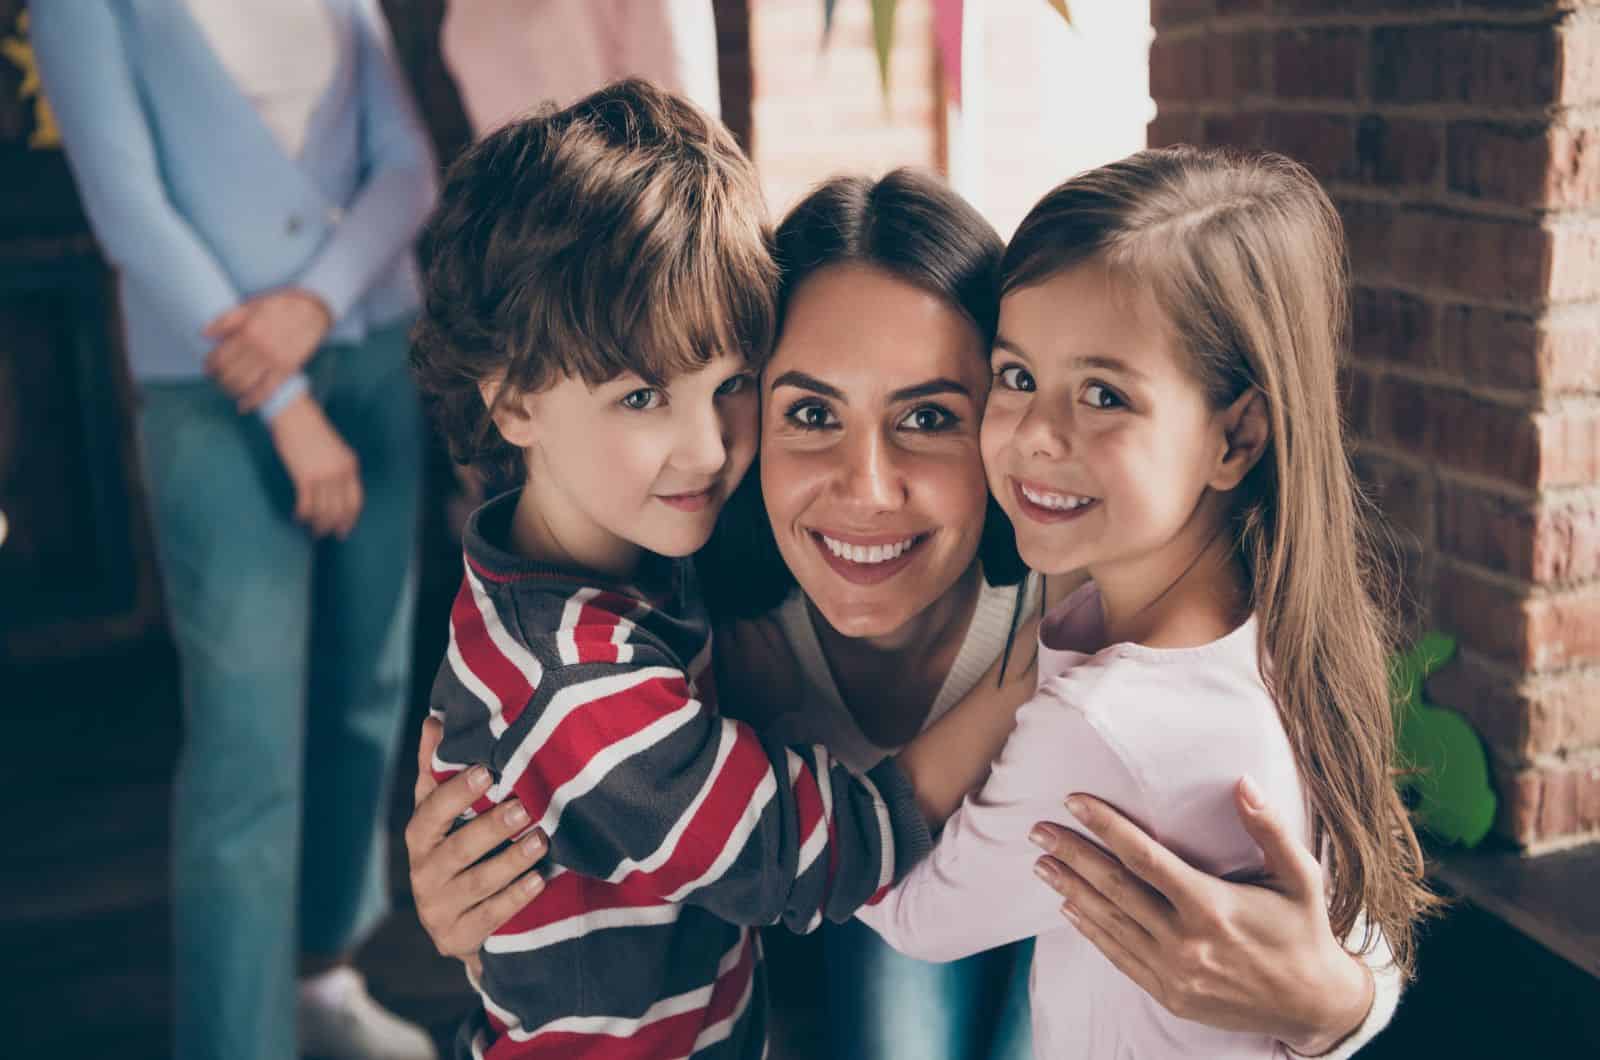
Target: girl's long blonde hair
x=1245 y=256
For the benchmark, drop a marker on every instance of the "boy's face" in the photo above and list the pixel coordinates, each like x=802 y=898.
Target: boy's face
x=626 y=466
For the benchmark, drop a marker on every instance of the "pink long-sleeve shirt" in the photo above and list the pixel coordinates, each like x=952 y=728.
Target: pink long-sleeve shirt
x=1162 y=734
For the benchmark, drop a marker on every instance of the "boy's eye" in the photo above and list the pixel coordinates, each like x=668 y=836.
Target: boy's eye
x=734 y=384
x=1015 y=377
x=1099 y=396
x=811 y=416
x=647 y=397
x=929 y=418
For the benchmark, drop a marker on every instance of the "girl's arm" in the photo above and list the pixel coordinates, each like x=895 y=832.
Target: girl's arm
x=966 y=896
x=1257 y=957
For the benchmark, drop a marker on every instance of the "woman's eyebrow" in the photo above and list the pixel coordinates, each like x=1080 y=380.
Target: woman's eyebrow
x=808 y=382
x=931 y=387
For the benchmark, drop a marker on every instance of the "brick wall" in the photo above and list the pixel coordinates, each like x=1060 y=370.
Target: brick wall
x=1462 y=143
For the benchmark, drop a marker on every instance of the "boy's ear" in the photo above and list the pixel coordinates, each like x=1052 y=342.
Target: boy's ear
x=512 y=412
x=1245 y=432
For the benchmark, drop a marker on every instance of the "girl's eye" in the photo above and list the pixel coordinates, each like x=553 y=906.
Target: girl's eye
x=734 y=384
x=647 y=397
x=1097 y=396
x=929 y=418
x=811 y=416
x=1015 y=377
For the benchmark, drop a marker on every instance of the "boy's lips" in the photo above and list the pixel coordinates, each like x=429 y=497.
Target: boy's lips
x=688 y=502
x=1046 y=505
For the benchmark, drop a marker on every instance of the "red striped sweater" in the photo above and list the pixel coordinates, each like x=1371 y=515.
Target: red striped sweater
x=673 y=830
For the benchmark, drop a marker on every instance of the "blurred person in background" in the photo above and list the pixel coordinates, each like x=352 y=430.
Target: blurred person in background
x=256 y=174
x=509 y=56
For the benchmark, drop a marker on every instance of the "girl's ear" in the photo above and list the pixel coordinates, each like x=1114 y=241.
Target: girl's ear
x=1245 y=432
x=512 y=412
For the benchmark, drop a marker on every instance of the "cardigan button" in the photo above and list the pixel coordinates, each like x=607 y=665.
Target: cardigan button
x=293 y=224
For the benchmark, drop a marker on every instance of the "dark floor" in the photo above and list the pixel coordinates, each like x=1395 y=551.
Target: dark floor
x=84 y=920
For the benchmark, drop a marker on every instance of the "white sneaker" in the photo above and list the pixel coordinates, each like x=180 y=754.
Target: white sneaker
x=340 y=1021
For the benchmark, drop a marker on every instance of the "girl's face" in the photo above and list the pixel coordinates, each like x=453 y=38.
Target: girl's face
x=1099 y=442
x=869 y=446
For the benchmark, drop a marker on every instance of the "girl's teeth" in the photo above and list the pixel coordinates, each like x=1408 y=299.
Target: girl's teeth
x=867 y=553
x=1057 y=501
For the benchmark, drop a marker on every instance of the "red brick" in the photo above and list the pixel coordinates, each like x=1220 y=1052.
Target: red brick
x=1323 y=143
x=1355 y=398
x=1169 y=128
x=1564 y=628
x=1569 y=444
x=1546 y=542
x=1534 y=165
x=1459 y=430
x=1475 y=257
x=1568 y=355
x=1167 y=13
x=1574 y=261
x=1403 y=495
x=1491 y=347
x=1548 y=802
x=1393 y=327
x=1319 y=63
x=1399 y=153
x=1521 y=717
x=1235 y=128
x=1180 y=70
x=1484 y=65
x=1578 y=74
x=1548 y=631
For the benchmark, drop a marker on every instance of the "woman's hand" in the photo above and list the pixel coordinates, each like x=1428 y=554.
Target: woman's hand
x=459 y=901
x=263 y=341
x=324 y=470
x=1259 y=957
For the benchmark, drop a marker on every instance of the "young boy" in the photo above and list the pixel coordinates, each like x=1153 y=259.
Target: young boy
x=599 y=296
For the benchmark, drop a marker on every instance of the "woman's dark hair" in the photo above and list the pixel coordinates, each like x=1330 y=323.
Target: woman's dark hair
x=909 y=224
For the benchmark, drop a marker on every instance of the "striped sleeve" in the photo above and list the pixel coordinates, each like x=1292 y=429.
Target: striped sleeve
x=641 y=784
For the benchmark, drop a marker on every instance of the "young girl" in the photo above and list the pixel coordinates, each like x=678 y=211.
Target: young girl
x=1164 y=415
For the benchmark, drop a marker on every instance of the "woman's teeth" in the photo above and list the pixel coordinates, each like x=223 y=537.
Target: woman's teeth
x=1059 y=501
x=867 y=553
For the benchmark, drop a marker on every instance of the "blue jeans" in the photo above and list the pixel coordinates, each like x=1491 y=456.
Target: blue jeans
x=295 y=659
x=886 y=1006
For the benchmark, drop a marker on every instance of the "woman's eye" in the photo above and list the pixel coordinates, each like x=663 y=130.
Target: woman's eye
x=1015 y=377
x=733 y=384
x=810 y=416
x=647 y=397
x=929 y=418
x=1102 y=397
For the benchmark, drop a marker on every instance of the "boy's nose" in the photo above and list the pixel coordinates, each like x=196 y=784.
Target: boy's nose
x=701 y=446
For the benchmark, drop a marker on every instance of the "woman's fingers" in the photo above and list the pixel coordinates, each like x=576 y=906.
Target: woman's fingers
x=1139 y=855
x=1078 y=866
x=1290 y=867
x=1090 y=906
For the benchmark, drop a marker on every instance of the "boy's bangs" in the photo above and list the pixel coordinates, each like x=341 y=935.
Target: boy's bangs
x=723 y=310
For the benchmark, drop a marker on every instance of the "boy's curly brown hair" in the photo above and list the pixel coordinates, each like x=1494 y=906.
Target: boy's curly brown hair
x=625 y=233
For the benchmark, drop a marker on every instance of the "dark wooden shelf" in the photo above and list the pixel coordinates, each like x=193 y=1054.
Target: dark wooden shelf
x=1553 y=899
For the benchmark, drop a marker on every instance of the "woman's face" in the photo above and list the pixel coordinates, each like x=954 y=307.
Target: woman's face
x=869 y=446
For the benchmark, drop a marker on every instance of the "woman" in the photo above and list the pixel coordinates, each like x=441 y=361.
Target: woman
x=868 y=545
x=256 y=174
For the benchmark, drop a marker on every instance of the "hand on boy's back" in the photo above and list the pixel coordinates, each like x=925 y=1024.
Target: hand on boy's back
x=323 y=469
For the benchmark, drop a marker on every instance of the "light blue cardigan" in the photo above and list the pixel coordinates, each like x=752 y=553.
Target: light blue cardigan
x=195 y=202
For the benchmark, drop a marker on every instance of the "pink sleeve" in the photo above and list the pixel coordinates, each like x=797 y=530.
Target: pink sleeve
x=977 y=889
